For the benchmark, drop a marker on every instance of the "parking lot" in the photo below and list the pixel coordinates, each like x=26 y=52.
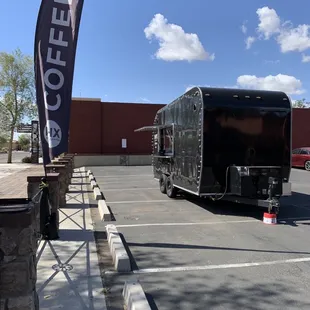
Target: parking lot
x=190 y=253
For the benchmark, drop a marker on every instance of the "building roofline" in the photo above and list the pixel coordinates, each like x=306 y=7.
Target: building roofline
x=85 y=99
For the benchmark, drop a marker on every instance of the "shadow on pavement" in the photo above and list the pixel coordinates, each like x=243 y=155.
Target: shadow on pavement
x=212 y=289
x=205 y=247
x=291 y=207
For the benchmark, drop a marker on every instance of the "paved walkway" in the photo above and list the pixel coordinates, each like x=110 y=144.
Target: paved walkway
x=68 y=270
x=13 y=179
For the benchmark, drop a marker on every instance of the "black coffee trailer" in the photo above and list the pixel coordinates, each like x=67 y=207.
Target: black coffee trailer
x=231 y=144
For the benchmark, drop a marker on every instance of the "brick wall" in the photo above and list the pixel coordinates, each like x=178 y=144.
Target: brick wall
x=98 y=127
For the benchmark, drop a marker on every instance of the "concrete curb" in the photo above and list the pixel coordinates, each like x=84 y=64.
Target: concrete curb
x=134 y=296
x=97 y=193
x=93 y=184
x=119 y=254
x=104 y=211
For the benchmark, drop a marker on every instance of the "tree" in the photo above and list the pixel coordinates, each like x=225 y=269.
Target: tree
x=24 y=141
x=16 y=92
x=301 y=103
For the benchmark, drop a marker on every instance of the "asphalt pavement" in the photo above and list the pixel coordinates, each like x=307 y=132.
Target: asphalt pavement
x=190 y=253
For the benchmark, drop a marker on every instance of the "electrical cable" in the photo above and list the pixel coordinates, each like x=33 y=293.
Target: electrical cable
x=226 y=187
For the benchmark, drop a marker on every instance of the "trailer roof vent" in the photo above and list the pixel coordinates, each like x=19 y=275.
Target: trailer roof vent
x=208 y=95
x=259 y=97
x=285 y=99
x=235 y=96
x=247 y=97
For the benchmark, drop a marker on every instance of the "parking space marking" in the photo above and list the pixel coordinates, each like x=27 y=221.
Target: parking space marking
x=129 y=189
x=209 y=223
x=214 y=267
x=142 y=201
x=123 y=175
x=186 y=224
x=119 y=181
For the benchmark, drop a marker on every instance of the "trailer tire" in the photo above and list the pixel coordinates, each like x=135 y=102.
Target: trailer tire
x=170 y=189
x=162 y=183
x=307 y=165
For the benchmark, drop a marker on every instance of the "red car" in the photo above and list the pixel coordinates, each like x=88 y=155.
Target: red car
x=301 y=158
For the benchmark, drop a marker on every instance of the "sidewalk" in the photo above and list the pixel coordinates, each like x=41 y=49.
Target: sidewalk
x=13 y=179
x=67 y=269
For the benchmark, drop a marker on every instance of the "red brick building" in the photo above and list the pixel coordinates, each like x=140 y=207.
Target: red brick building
x=98 y=127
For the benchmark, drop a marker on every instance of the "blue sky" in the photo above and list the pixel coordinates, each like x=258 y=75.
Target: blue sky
x=152 y=51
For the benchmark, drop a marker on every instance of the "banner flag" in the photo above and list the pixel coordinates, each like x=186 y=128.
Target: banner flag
x=54 y=57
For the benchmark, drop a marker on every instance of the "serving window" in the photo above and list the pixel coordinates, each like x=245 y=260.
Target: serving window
x=165 y=141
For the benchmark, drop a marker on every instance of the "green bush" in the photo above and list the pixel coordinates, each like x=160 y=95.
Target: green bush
x=26 y=160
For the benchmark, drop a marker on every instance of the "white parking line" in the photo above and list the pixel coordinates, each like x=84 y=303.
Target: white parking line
x=129 y=189
x=209 y=223
x=101 y=181
x=213 y=267
x=143 y=201
x=187 y=224
x=123 y=175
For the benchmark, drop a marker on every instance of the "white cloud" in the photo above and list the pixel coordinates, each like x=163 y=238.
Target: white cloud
x=272 y=61
x=305 y=58
x=269 y=22
x=244 y=28
x=213 y=86
x=192 y=86
x=174 y=43
x=294 y=39
x=288 y=37
x=189 y=87
x=249 y=41
x=281 y=82
x=142 y=99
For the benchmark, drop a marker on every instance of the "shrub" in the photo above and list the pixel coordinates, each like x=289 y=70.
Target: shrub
x=26 y=160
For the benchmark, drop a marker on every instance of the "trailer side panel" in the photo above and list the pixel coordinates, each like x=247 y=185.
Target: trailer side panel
x=181 y=132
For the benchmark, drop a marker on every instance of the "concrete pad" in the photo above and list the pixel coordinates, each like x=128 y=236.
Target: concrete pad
x=68 y=274
x=97 y=193
x=104 y=211
x=134 y=296
x=93 y=184
x=119 y=254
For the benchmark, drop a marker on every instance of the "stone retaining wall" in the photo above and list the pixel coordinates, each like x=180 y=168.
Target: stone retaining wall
x=19 y=235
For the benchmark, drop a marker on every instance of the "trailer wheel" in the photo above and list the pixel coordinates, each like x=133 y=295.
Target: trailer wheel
x=170 y=189
x=307 y=165
x=162 y=183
